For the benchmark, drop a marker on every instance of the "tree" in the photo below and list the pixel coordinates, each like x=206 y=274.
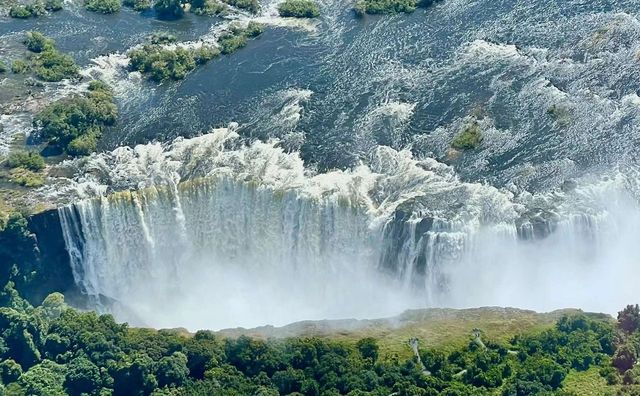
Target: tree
x=134 y=377
x=629 y=318
x=172 y=370
x=625 y=357
x=25 y=159
x=38 y=42
x=75 y=124
x=103 y=6
x=169 y=9
x=44 y=379
x=368 y=348
x=298 y=9
x=82 y=377
x=10 y=371
x=203 y=352
x=53 y=306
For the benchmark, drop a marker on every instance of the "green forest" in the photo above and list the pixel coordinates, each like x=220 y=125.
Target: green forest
x=53 y=350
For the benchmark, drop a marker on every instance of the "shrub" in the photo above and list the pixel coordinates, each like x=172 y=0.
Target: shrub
x=629 y=318
x=469 y=138
x=169 y=9
x=53 y=5
x=26 y=178
x=299 y=9
x=84 y=144
x=53 y=65
x=162 y=64
x=230 y=42
x=204 y=54
x=48 y=64
x=3 y=67
x=385 y=6
x=20 y=12
x=103 y=6
x=253 y=29
x=75 y=124
x=10 y=371
x=209 y=7
x=38 y=8
x=137 y=5
x=28 y=160
x=162 y=38
x=250 y=5
x=237 y=37
x=18 y=66
x=38 y=42
x=389 y=6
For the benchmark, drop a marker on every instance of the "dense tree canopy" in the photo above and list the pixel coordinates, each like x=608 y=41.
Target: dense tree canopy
x=55 y=350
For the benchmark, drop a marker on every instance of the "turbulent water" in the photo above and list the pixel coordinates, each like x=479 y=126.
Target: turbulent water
x=244 y=235
x=251 y=225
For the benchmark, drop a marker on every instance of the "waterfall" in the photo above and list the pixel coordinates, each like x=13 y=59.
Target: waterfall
x=265 y=253
x=210 y=233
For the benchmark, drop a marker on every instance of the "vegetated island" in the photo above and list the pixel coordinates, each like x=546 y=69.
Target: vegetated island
x=159 y=62
x=44 y=60
x=363 y=7
x=298 y=9
x=34 y=9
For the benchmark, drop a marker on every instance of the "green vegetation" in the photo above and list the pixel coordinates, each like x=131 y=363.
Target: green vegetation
x=25 y=168
x=35 y=9
x=20 y=12
x=469 y=138
x=389 y=6
x=3 y=67
x=26 y=159
x=137 y=5
x=169 y=9
x=162 y=38
x=75 y=124
x=161 y=64
x=47 y=63
x=53 y=5
x=209 y=7
x=237 y=37
x=103 y=6
x=55 y=350
x=18 y=66
x=26 y=178
x=299 y=9
x=250 y=5
x=38 y=42
x=53 y=65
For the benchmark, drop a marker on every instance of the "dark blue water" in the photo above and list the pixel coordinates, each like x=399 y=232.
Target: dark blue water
x=407 y=81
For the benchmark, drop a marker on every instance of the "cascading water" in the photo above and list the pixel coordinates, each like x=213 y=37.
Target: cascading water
x=213 y=231
x=222 y=234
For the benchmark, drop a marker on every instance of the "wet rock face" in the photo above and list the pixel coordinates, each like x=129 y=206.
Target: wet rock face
x=536 y=224
x=36 y=260
x=53 y=260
